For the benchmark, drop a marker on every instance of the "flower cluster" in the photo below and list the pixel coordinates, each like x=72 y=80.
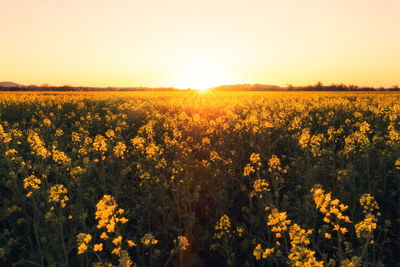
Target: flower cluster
x=255 y=159
x=11 y=153
x=254 y=165
x=119 y=150
x=332 y=209
x=260 y=187
x=58 y=194
x=183 y=243
x=274 y=164
x=148 y=240
x=31 y=183
x=369 y=204
x=260 y=253
x=222 y=227
x=60 y=157
x=365 y=228
x=4 y=137
x=37 y=145
x=397 y=164
x=300 y=255
x=100 y=144
x=279 y=223
x=83 y=241
x=108 y=214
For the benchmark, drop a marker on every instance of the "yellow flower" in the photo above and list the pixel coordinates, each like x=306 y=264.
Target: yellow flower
x=239 y=231
x=397 y=164
x=87 y=238
x=222 y=227
x=248 y=170
x=57 y=194
x=60 y=157
x=110 y=133
x=300 y=255
x=261 y=186
x=255 y=159
x=119 y=150
x=104 y=236
x=278 y=222
x=267 y=252
x=117 y=240
x=82 y=248
x=107 y=214
x=99 y=144
x=148 y=239
x=116 y=251
x=366 y=227
x=46 y=122
x=368 y=203
x=37 y=145
x=327 y=220
x=59 y=132
x=332 y=209
x=274 y=164
x=11 y=152
x=183 y=243
x=32 y=183
x=258 y=252
x=98 y=247
x=328 y=236
x=131 y=243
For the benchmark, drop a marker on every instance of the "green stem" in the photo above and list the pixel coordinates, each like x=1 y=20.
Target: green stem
x=170 y=257
x=63 y=243
x=365 y=247
x=36 y=230
x=339 y=236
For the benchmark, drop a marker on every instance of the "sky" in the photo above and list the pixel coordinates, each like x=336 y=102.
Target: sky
x=188 y=43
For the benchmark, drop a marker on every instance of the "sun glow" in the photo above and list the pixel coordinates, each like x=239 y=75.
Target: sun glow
x=202 y=75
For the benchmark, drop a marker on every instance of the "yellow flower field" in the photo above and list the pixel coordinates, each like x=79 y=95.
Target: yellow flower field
x=199 y=179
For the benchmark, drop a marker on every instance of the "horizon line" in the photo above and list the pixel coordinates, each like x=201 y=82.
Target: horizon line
x=288 y=85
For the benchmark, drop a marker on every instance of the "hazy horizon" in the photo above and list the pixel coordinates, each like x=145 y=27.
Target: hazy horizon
x=200 y=43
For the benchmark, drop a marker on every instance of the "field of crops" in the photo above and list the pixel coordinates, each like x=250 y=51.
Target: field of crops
x=192 y=179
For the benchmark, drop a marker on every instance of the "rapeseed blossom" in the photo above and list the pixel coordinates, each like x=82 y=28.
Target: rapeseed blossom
x=32 y=183
x=108 y=215
x=58 y=194
x=278 y=222
x=222 y=227
x=332 y=209
x=148 y=240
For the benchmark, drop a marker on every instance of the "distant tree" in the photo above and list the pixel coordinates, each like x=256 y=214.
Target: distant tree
x=352 y=87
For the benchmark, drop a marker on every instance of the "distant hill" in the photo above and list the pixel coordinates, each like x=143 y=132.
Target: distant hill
x=10 y=84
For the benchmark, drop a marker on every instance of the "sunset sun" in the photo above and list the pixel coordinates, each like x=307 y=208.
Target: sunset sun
x=202 y=75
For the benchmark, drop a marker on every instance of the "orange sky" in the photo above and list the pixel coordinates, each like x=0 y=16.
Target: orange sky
x=201 y=43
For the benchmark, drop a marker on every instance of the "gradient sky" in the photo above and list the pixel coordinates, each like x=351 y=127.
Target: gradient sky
x=183 y=43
